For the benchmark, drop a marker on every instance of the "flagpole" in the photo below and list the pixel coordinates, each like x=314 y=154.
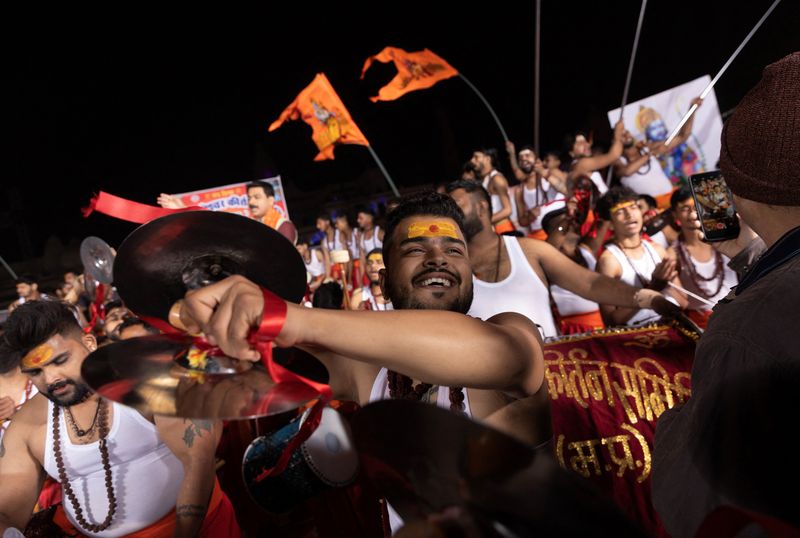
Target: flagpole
x=8 y=268
x=630 y=75
x=385 y=173
x=536 y=119
x=710 y=86
x=485 y=102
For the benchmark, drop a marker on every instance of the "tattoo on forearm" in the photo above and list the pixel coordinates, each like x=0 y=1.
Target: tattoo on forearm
x=190 y=510
x=196 y=429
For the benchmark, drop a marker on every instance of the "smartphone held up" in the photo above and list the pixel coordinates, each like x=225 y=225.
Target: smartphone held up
x=714 y=204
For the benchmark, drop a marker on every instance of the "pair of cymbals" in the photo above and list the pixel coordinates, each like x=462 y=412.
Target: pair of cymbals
x=156 y=265
x=169 y=375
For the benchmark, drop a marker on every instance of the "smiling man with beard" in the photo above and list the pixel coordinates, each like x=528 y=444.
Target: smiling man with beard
x=121 y=473
x=426 y=349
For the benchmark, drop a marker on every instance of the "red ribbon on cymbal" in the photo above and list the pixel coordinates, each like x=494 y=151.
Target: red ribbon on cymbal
x=124 y=209
x=97 y=308
x=273 y=317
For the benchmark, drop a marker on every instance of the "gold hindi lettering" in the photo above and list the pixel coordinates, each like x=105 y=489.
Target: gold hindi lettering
x=587 y=457
x=644 y=389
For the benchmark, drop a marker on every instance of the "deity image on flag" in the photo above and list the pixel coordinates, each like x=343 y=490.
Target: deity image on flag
x=418 y=71
x=678 y=164
x=653 y=118
x=415 y=71
x=334 y=126
x=320 y=107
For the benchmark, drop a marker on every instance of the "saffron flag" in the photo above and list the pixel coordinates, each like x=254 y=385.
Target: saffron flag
x=415 y=71
x=319 y=106
x=607 y=390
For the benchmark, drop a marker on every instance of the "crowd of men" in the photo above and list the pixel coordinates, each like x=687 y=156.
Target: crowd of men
x=550 y=250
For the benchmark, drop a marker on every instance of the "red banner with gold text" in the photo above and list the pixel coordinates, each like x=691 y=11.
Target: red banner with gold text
x=607 y=391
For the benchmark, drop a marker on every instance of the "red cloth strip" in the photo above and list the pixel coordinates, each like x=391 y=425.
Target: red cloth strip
x=97 y=308
x=123 y=209
x=272 y=319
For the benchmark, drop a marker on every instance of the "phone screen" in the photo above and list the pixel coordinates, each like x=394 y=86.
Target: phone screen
x=714 y=203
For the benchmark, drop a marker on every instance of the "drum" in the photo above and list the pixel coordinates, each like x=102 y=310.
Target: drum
x=326 y=460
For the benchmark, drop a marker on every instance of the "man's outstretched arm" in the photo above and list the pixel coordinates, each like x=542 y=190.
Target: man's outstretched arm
x=441 y=347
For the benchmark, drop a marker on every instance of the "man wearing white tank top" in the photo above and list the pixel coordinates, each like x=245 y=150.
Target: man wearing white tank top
x=574 y=313
x=639 y=170
x=631 y=259
x=120 y=472
x=539 y=186
x=585 y=163
x=370 y=235
x=348 y=240
x=513 y=274
x=371 y=297
x=316 y=262
x=496 y=184
x=702 y=270
x=426 y=349
x=427 y=341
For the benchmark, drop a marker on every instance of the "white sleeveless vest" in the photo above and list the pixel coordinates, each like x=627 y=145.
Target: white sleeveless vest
x=521 y=291
x=568 y=303
x=369 y=298
x=316 y=266
x=145 y=473
x=644 y=266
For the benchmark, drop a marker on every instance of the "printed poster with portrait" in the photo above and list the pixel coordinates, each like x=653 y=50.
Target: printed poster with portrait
x=233 y=198
x=653 y=119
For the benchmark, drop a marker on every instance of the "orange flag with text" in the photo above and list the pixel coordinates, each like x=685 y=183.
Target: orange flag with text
x=415 y=71
x=320 y=107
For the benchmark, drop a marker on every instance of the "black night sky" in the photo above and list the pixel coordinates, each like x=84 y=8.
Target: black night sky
x=179 y=106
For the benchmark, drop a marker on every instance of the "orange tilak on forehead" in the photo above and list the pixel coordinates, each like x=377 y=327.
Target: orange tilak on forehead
x=37 y=356
x=431 y=228
x=375 y=258
x=623 y=205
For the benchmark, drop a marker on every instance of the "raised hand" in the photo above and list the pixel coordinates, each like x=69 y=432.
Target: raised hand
x=510 y=148
x=169 y=201
x=665 y=271
x=225 y=312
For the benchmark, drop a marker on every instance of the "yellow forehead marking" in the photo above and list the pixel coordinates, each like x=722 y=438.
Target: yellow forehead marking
x=431 y=228
x=622 y=205
x=37 y=356
x=377 y=258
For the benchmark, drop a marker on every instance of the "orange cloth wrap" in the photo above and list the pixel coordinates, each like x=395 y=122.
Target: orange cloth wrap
x=219 y=521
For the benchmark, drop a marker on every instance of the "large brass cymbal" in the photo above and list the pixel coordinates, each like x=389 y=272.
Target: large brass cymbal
x=443 y=472
x=161 y=260
x=167 y=375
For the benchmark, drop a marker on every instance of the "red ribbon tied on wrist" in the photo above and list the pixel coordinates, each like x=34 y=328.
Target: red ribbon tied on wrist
x=272 y=320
